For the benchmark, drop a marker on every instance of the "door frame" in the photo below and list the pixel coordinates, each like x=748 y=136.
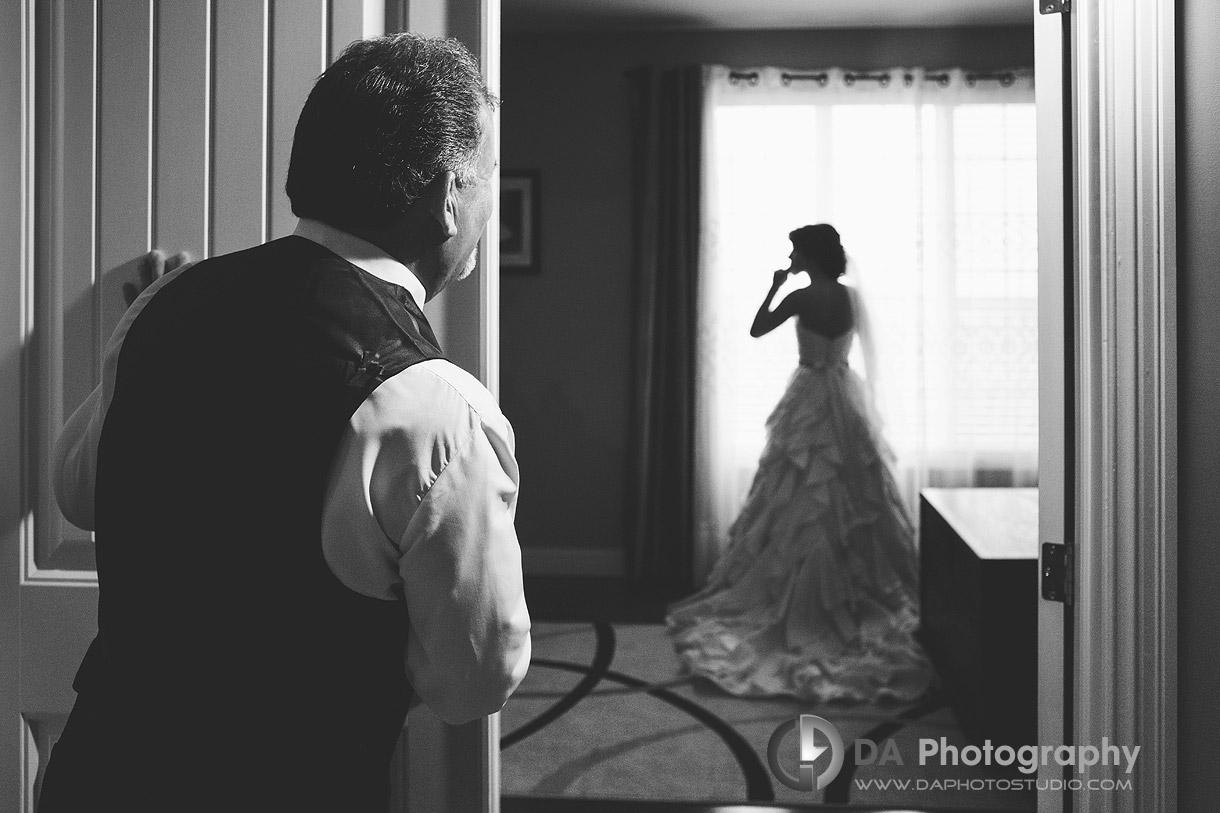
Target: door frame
x=1123 y=621
x=1055 y=435
x=15 y=247
x=434 y=767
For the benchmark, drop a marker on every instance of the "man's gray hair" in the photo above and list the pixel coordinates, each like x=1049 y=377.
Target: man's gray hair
x=386 y=118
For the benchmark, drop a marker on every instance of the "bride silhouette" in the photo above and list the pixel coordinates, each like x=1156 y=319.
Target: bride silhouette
x=816 y=594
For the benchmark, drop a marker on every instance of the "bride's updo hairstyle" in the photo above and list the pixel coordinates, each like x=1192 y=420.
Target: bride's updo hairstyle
x=821 y=244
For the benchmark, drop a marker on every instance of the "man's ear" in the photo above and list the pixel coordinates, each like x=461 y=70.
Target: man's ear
x=441 y=201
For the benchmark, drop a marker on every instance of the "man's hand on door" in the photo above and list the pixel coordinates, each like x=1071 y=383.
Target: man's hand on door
x=152 y=268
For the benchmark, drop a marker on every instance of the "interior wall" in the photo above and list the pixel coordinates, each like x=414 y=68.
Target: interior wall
x=566 y=381
x=1198 y=179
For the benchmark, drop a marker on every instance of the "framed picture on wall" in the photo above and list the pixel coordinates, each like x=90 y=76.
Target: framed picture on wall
x=519 y=221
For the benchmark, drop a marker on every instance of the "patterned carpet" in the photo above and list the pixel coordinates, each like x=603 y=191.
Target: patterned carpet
x=606 y=713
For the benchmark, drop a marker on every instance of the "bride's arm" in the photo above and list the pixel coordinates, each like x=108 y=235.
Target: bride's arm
x=767 y=320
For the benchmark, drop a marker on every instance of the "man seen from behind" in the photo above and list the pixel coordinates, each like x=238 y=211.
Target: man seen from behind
x=303 y=512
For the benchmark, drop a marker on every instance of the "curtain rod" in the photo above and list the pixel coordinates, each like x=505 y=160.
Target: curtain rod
x=822 y=78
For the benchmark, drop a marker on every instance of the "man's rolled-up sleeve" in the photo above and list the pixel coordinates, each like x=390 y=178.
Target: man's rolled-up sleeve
x=469 y=641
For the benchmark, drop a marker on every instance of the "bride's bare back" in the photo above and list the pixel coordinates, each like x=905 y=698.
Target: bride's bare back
x=825 y=307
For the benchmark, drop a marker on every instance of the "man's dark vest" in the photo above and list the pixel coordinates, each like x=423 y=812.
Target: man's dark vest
x=224 y=638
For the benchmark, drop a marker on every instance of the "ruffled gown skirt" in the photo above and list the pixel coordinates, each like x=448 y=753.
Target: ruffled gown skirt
x=816 y=594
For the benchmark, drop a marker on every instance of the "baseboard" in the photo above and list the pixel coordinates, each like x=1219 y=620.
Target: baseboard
x=573 y=562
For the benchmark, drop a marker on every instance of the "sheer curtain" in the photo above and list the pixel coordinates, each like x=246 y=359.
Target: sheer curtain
x=929 y=176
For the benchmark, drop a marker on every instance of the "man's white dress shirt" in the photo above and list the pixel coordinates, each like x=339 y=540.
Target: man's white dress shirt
x=420 y=507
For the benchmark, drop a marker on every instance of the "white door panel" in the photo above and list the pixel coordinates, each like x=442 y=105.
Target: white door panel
x=181 y=129
x=239 y=179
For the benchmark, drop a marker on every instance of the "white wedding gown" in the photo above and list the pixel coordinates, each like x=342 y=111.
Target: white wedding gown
x=816 y=593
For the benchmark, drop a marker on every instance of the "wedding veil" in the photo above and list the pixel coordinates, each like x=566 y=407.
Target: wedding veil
x=866 y=338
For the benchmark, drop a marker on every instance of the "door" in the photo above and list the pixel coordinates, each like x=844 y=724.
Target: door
x=125 y=126
x=1108 y=336
x=1055 y=407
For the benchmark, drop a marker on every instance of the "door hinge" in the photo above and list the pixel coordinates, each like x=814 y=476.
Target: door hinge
x=1055 y=6
x=1056 y=572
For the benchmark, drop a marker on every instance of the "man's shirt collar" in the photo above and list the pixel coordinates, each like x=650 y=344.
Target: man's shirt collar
x=362 y=254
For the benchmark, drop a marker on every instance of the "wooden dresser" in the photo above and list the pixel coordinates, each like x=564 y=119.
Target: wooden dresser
x=979 y=590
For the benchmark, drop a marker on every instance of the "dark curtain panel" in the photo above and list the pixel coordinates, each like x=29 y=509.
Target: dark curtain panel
x=667 y=136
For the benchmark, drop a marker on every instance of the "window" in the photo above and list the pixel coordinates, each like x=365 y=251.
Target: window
x=934 y=195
